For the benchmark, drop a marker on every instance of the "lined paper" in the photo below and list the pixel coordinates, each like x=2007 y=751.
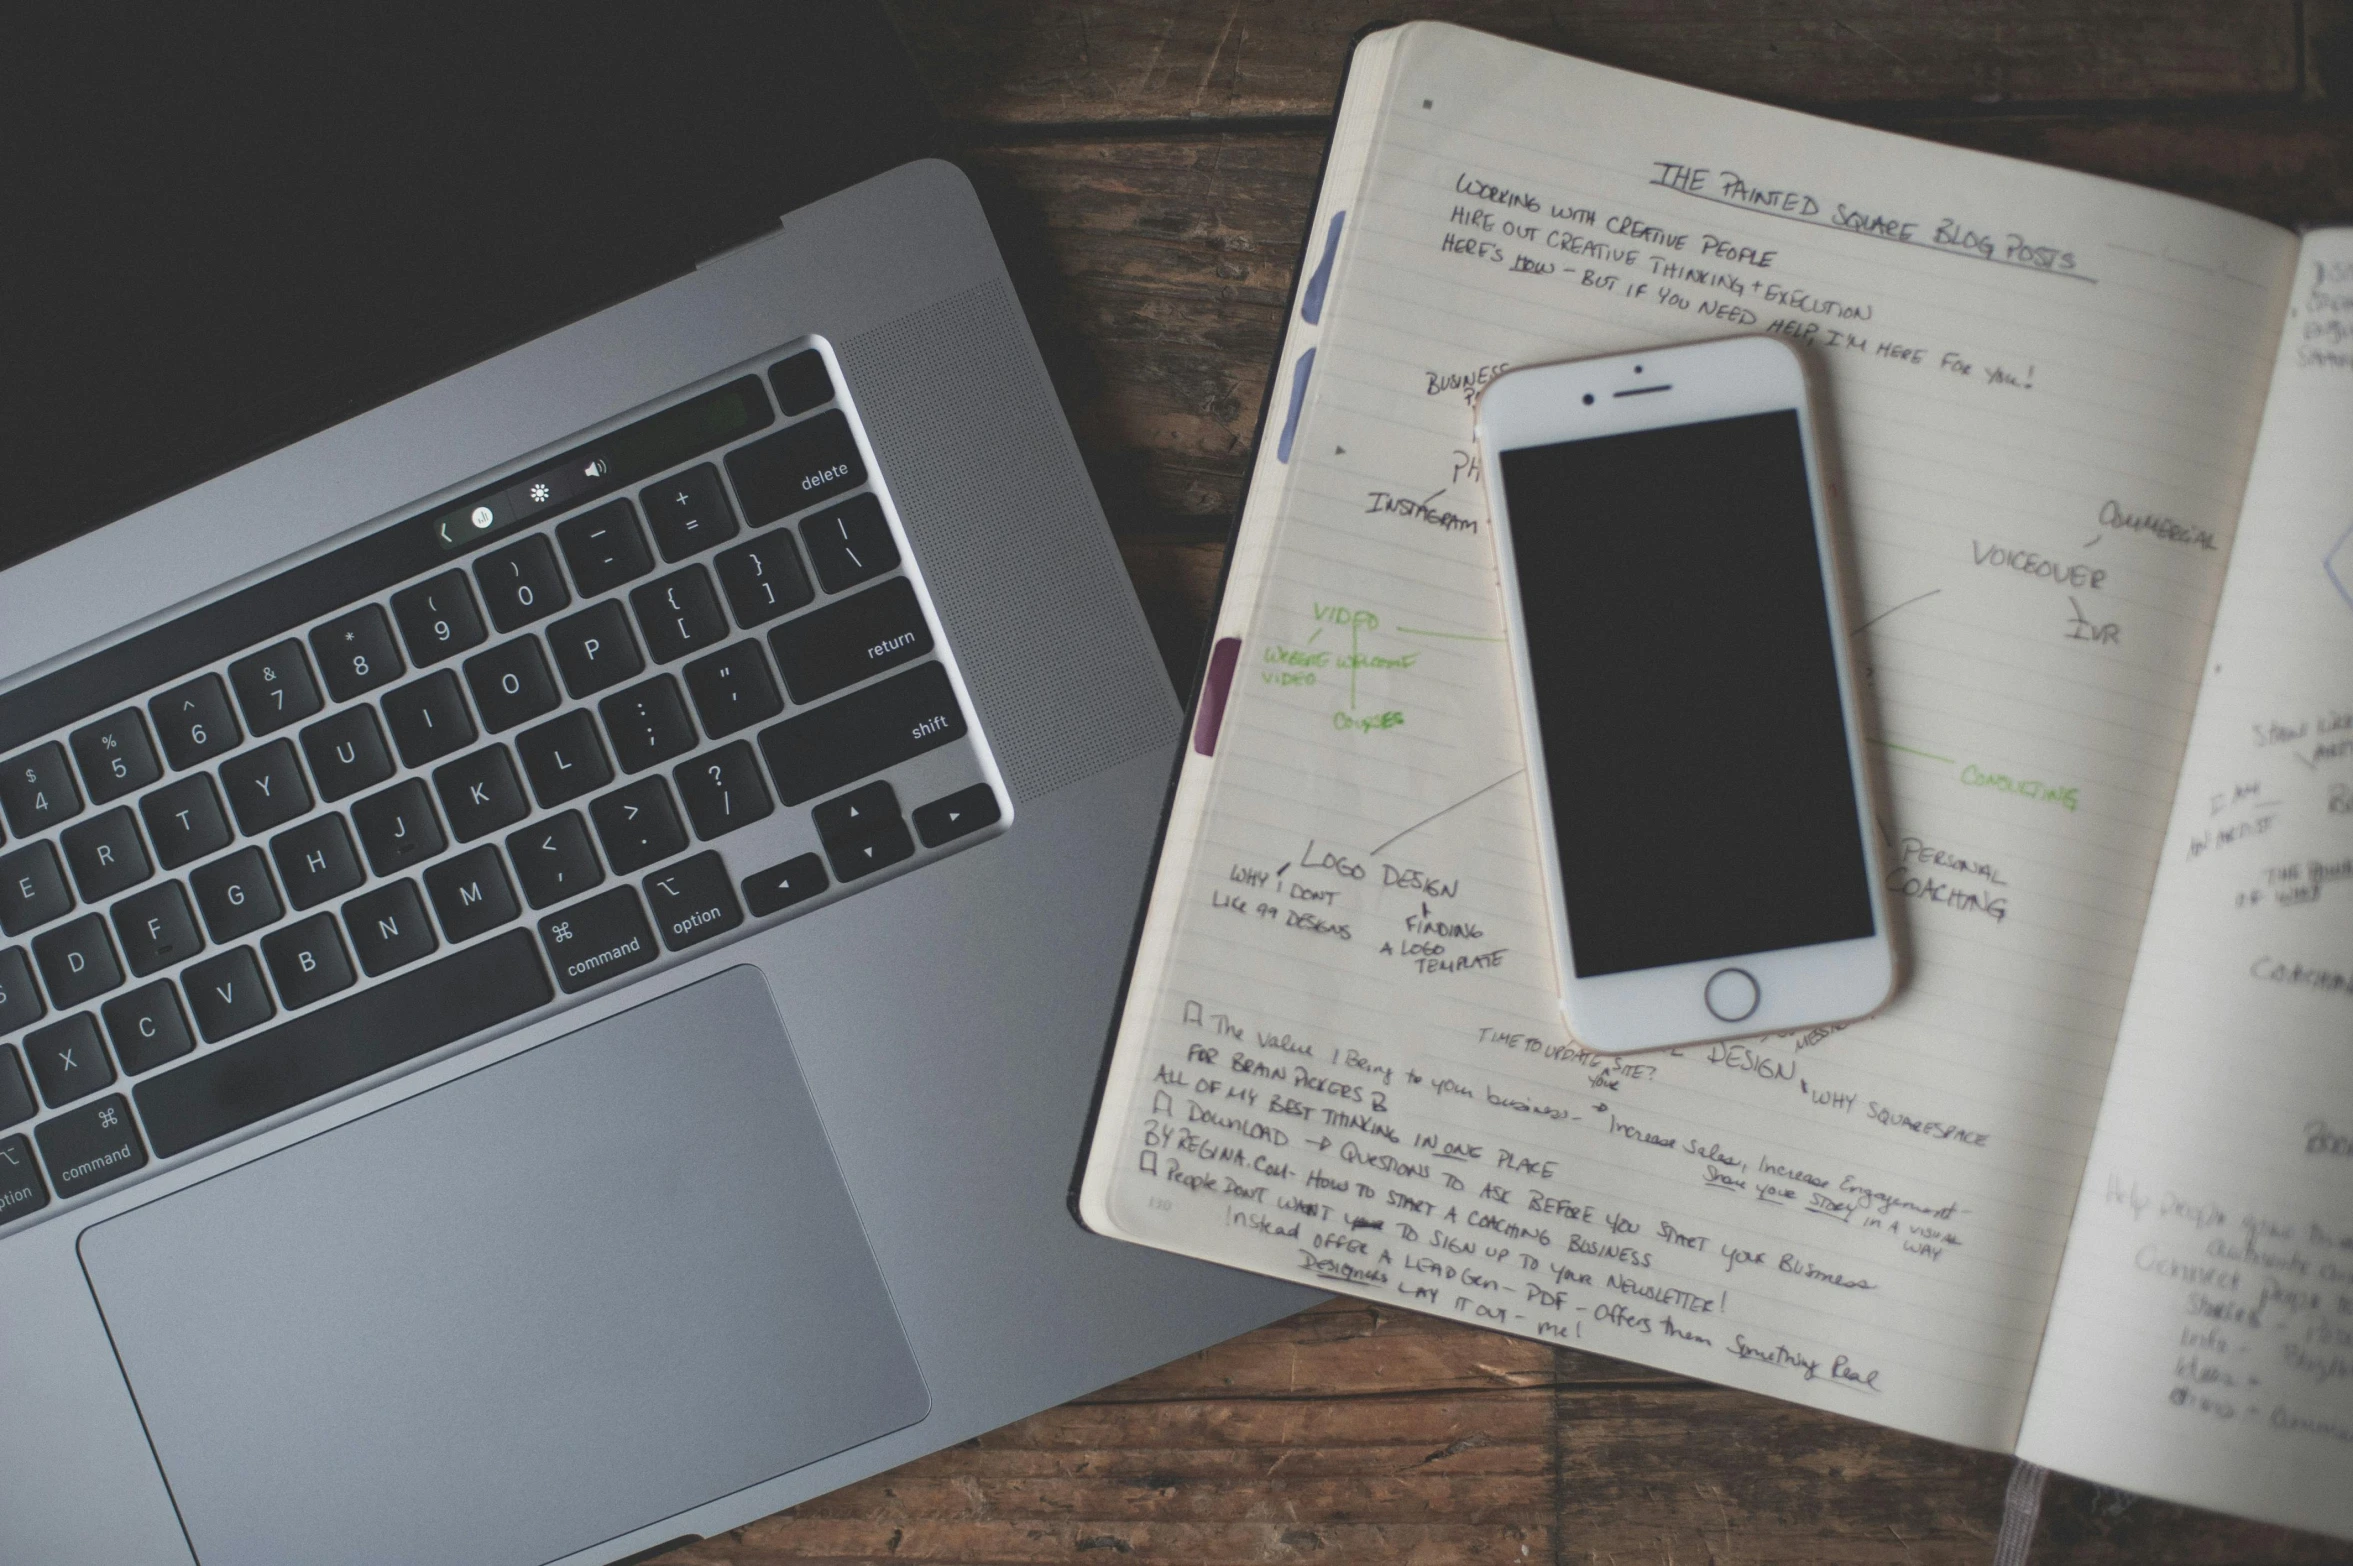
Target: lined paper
x=1342 y=1060
x=2201 y=1346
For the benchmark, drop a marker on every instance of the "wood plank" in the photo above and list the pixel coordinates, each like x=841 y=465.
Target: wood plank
x=1067 y=61
x=1355 y=1433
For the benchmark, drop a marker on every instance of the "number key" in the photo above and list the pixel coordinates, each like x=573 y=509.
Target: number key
x=195 y=722
x=438 y=619
x=116 y=755
x=274 y=686
x=37 y=789
x=522 y=583
x=357 y=653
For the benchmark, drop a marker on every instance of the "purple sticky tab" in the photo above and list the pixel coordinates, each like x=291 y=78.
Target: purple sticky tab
x=1211 y=711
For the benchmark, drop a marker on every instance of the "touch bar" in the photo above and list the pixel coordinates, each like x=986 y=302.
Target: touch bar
x=319 y=1051
x=252 y=615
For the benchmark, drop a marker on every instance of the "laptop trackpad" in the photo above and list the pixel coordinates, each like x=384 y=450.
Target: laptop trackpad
x=567 y=1296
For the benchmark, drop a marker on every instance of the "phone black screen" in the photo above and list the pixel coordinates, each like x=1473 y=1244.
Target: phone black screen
x=1687 y=692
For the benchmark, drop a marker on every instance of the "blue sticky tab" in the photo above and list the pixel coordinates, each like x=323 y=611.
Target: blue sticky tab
x=1311 y=301
x=1298 y=396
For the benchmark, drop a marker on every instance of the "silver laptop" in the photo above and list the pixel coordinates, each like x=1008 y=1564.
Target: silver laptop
x=556 y=935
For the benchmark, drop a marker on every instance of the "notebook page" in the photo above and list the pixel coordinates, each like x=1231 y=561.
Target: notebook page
x=1351 y=1069
x=2201 y=1346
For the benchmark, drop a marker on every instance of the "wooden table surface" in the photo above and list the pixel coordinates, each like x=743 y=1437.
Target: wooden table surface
x=1162 y=156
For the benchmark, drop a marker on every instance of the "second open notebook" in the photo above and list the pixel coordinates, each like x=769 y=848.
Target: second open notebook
x=2060 y=1198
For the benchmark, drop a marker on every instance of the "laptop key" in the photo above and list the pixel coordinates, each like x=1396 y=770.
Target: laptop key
x=307 y=962
x=471 y=894
x=347 y=752
x=780 y=886
x=105 y=854
x=274 y=687
x=763 y=579
x=316 y=860
x=511 y=684
x=157 y=928
x=733 y=689
x=856 y=813
x=796 y=467
x=185 y=821
x=648 y=723
x=20 y=998
x=266 y=787
x=315 y=1052
x=16 y=1094
x=884 y=845
x=77 y=961
x=965 y=811
x=388 y=928
x=397 y=828
x=147 y=1027
x=858 y=735
x=851 y=543
x=481 y=793
x=724 y=790
x=835 y=647
x=428 y=719
x=679 y=614
x=801 y=382
x=564 y=758
x=689 y=512
x=235 y=894
x=638 y=825
x=693 y=901
x=604 y=548
x=554 y=859
x=69 y=1060
x=90 y=1146
x=438 y=618
x=522 y=583
x=595 y=649
x=37 y=789
x=599 y=939
x=195 y=722
x=21 y=1190
x=115 y=755
x=356 y=652
x=227 y=994
x=32 y=889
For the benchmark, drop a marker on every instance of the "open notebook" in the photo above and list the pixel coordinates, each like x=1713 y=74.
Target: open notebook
x=2085 y=1190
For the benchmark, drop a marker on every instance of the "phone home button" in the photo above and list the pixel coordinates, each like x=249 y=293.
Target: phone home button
x=1732 y=995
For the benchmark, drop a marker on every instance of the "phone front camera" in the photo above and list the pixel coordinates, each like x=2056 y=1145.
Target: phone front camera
x=1589 y=399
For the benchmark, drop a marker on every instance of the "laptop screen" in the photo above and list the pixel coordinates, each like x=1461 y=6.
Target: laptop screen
x=239 y=230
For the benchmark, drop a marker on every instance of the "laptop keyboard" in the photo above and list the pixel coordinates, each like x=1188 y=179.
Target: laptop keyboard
x=677 y=683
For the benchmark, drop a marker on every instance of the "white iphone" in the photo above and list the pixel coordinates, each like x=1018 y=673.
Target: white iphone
x=1680 y=648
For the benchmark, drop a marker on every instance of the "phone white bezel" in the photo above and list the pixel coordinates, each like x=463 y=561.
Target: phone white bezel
x=1794 y=987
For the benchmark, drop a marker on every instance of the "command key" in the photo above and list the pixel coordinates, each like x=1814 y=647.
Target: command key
x=596 y=940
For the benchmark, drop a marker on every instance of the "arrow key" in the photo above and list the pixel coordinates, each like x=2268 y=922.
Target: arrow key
x=966 y=810
x=884 y=844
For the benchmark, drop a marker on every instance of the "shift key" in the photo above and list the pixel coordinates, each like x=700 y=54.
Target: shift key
x=596 y=940
x=858 y=735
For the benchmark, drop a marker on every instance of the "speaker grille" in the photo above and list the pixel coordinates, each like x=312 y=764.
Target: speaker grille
x=1013 y=546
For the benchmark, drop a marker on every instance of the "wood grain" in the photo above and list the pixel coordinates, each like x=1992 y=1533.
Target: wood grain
x=1158 y=161
x=1071 y=61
